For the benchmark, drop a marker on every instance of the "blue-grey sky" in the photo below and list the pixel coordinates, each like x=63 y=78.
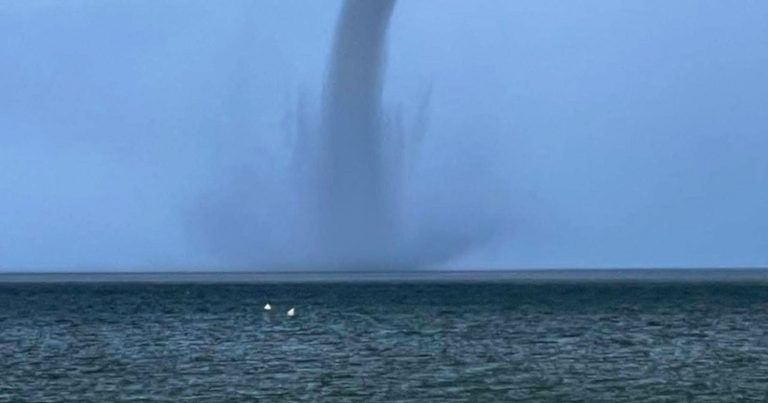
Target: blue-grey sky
x=610 y=134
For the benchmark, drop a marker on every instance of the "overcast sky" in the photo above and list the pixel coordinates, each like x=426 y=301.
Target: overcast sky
x=628 y=134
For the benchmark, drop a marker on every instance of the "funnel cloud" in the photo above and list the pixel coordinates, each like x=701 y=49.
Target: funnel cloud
x=348 y=203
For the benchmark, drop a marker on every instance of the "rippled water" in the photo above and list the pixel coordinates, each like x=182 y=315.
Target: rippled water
x=384 y=341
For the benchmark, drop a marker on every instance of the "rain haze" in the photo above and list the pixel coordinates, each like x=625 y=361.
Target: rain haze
x=188 y=135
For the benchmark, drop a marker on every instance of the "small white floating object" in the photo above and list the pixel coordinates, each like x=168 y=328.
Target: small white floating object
x=267 y=307
x=291 y=312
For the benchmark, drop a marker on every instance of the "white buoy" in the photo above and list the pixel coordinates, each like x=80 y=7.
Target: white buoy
x=267 y=307
x=291 y=312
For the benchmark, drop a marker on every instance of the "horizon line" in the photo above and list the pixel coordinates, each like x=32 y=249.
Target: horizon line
x=44 y=271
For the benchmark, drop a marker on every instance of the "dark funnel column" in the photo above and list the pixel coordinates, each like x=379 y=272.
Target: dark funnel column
x=356 y=217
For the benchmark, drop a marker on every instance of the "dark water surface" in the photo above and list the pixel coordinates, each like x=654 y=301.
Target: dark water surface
x=373 y=341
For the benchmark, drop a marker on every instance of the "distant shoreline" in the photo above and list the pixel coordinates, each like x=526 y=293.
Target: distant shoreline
x=724 y=275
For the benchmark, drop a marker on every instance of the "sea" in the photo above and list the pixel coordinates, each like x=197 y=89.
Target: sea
x=538 y=336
